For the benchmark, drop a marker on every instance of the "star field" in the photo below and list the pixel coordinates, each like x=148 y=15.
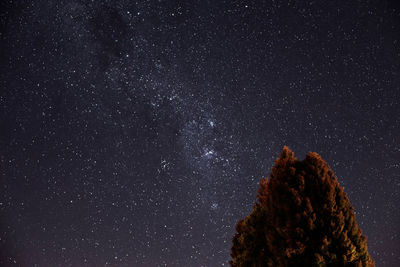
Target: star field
x=135 y=133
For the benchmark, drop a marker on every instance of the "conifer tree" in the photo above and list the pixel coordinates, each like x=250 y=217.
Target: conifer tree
x=302 y=217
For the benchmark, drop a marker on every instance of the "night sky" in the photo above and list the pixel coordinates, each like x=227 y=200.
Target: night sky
x=136 y=133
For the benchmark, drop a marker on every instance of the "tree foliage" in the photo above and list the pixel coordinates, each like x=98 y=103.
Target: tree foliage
x=302 y=217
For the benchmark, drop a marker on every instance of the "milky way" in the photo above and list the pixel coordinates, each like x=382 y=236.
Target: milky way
x=136 y=133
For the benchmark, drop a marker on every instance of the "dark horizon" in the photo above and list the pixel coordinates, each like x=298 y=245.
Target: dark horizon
x=136 y=133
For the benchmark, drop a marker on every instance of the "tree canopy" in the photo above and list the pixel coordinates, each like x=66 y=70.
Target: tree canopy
x=302 y=217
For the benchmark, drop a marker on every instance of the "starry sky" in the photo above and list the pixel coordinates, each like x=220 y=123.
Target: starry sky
x=135 y=133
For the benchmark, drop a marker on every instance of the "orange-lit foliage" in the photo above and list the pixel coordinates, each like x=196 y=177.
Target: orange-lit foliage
x=302 y=217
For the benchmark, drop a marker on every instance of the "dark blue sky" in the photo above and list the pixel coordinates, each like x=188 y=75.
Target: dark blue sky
x=136 y=133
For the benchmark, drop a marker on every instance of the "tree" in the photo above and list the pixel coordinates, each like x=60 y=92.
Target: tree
x=302 y=217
